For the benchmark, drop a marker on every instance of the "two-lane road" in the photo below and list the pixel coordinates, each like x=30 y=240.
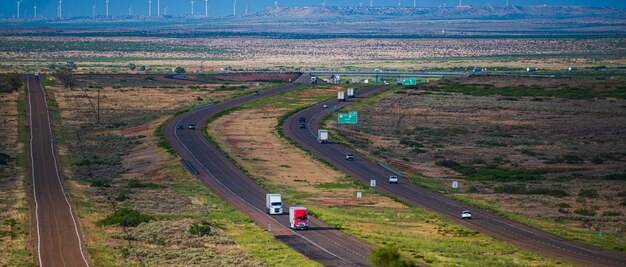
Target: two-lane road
x=320 y=243
x=58 y=235
x=485 y=222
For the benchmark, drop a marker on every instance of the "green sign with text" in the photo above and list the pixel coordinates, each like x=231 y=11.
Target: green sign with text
x=348 y=118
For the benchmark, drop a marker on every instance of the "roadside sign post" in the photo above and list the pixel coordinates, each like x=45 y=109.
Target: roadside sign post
x=359 y=194
x=372 y=183
x=269 y=227
x=455 y=184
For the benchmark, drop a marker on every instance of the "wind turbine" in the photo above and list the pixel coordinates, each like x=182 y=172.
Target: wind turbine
x=414 y=4
x=165 y=11
x=275 y=3
x=18 y=8
x=370 y=3
x=192 y=7
x=246 y=13
x=93 y=10
x=159 y=8
x=460 y=2
x=399 y=3
x=35 y=11
x=107 y=13
x=507 y=2
x=324 y=4
x=206 y=8
x=130 y=10
x=234 y=8
x=149 y=8
x=60 y=8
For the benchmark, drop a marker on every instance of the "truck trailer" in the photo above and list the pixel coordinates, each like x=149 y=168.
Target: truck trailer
x=350 y=92
x=298 y=218
x=341 y=96
x=274 y=204
x=322 y=136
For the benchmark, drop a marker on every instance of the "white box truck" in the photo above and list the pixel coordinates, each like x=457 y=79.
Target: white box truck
x=322 y=136
x=298 y=218
x=274 y=204
x=350 y=92
x=341 y=96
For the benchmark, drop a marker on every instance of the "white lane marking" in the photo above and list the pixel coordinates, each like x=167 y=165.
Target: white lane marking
x=535 y=237
x=235 y=194
x=56 y=167
x=32 y=169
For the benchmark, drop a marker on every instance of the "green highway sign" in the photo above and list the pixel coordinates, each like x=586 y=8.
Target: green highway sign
x=348 y=118
x=409 y=81
x=422 y=80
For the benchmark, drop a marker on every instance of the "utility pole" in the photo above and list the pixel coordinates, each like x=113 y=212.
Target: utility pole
x=18 y=8
x=107 y=13
x=149 y=8
x=98 y=103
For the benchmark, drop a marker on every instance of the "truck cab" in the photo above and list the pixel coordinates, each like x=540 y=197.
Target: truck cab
x=298 y=218
x=349 y=156
x=393 y=179
x=273 y=204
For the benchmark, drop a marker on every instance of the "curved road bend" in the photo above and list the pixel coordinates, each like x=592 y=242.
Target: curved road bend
x=483 y=221
x=58 y=235
x=320 y=243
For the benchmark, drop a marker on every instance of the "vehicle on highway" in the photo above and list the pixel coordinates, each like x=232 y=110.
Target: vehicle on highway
x=341 y=96
x=192 y=126
x=349 y=156
x=393 y=179
x=179 y=126
x=386 y=83
x=350 y=92
x=302 y=119
x=298 y=218
x=324 y=106
x=302 y=125
x=322 y=136
x=466 y=214
x=273 y=204
x=256 y=93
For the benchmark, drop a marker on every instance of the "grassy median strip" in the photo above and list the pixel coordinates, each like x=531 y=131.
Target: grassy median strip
x=250 y=136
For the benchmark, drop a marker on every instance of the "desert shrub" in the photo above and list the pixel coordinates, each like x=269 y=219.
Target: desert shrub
x=522 y=190
x=122 y=195
x=624 y=202
x=126 y=217
x=616 y=176
x=4 y=159
x=588 y=193
x=510 y=189
x=472 y=189
x=597 y=160
x=200 y=229
x=563 y=205
x=585 y=212
x=564 y=211
x=134 y=183
x=448 y=163
x=99 y=183
x=611 y=213
x=389 y=256
x=621 y=194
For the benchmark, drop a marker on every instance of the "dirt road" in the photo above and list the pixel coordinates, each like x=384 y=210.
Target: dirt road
x=57 y=230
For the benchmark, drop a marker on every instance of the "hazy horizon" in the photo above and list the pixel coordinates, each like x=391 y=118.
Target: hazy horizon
x=74 y=8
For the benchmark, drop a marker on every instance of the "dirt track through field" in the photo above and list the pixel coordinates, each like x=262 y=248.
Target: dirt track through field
x=57 y=230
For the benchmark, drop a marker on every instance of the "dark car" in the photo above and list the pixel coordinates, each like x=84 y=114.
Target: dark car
x=179 y=126
x=192 y=126
x=302 y=126
x=256 y=93
x=302 y=119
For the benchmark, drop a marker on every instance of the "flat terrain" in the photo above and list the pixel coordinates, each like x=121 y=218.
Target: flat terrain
x=121 y=165
x=113 y=54
x=249 y=136
x=546 y=149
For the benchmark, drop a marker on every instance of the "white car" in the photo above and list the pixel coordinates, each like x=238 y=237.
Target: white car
x=393 y=179
x=325 y=106
x=466 y=214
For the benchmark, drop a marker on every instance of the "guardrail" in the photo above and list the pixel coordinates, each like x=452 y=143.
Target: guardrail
x=390 y=169
x=190 y=167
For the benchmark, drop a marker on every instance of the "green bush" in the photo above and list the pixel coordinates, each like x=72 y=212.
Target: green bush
x=4 y=159
x=200 y=229
x=134 y=183
x=588 y=193
x=616 y=176
x=611 y=213
x=563 y=205
x=597 y=160
x=585 y=212
x=126 y=217
x=389 y=256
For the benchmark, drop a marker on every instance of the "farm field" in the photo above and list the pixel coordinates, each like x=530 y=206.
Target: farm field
x=547 y=152
x=162 y=55
x=137 y=204
x=250 y=135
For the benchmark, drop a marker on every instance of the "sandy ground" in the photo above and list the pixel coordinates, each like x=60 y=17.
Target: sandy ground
x=250 y=136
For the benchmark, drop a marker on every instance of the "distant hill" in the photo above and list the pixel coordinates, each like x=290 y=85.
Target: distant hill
x=465 y=12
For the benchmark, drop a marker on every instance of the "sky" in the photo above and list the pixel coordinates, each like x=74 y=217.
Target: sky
x=72 y=8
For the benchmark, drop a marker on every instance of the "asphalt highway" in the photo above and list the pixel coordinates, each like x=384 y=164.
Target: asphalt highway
x=485 y=222
x=58 y=234
x=320 y=243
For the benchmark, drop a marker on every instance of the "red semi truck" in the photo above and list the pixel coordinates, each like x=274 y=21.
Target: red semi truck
x=298 y=218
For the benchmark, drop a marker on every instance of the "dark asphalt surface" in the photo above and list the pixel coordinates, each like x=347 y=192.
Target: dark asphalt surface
x=501 y=228
x=57 y=232
x=320 y=243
